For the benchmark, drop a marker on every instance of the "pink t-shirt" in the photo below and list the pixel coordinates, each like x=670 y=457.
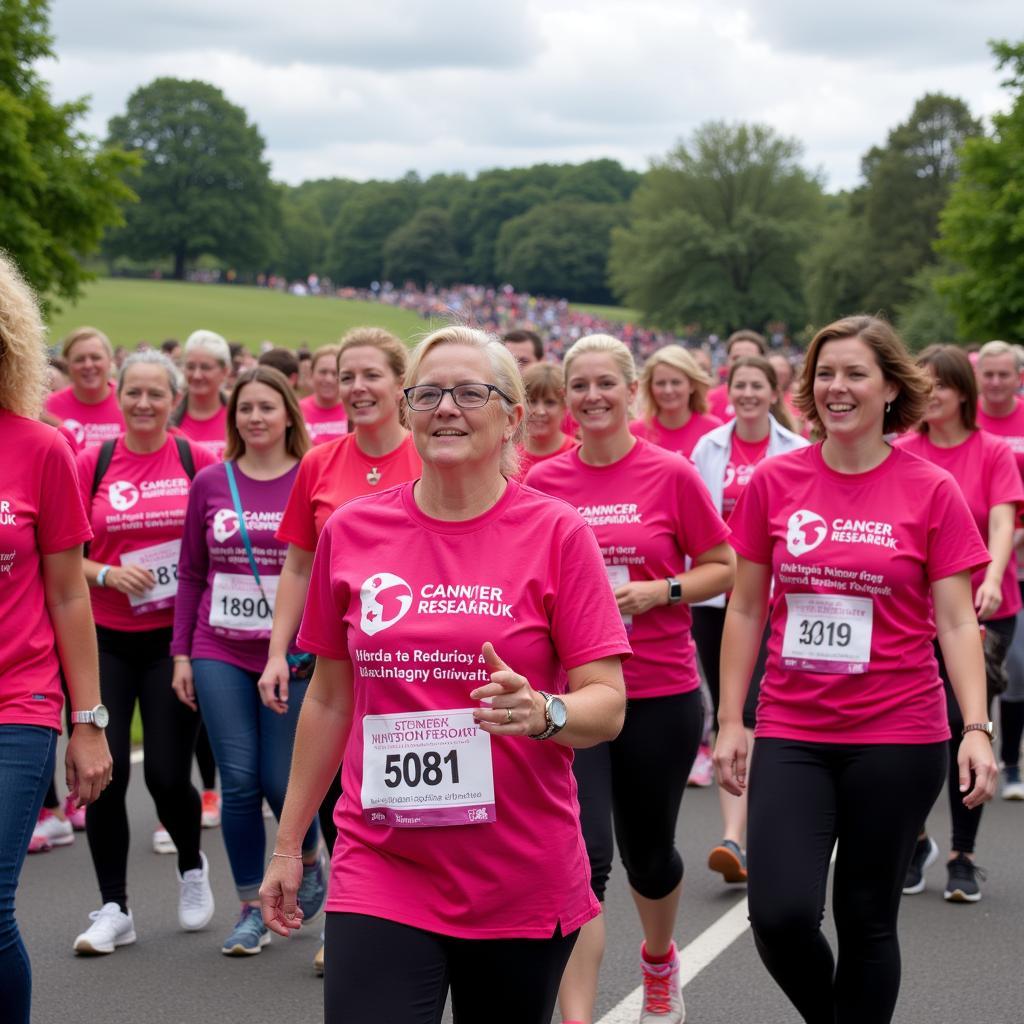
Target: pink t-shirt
x=682 y=439
x=986 y=471
x=40 y=514
x=743 y=457
x=138 y=514
x=719 y=404
x=87 y=425
x=410 y=600
x=323 y=424
x=853 y=557
x=527 y=460
x=1009 y=428
x=649 y=511
x=210 y=433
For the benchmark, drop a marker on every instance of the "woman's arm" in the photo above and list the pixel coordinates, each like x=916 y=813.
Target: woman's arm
x=989 y=595
x=960 y=641
x=128 y=579
x=320 y=740
x=292 y=589
x=741 y=639
x=88 y=765
x=712 y=574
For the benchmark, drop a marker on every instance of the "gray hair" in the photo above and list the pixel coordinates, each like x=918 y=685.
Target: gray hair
x=1000 y=348
x=212 y=344
x=151 y=357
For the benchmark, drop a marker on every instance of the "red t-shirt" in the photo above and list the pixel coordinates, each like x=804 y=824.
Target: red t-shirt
x=323 y=424
x=409 y=601
x=853 y=557
x=719 y=404
x=40 y=514
x=649 y=511
x=138 y=515
x=331 y=474
x=87 y=425
x=1009 y=428
x=743 y=457
x=680 y=439
x=527 y=460
x=986 y=471
x=211 y=433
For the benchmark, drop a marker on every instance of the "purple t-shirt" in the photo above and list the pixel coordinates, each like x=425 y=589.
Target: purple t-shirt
x=220 y=612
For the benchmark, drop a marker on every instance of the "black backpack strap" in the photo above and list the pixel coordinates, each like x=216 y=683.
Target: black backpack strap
x=103 y=464
x=185 y=454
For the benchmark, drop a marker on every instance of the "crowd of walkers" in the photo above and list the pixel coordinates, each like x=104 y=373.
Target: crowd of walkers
x=467 y=618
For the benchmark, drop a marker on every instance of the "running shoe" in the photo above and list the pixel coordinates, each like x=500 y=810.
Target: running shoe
x=249 y=936
x=318 y=961
x=926 y=853
x=56 y=831
x=162 y=841
x=39 y=844
x=729 y=861
x=702 y=773
x=195 y=898
x=962 y=886
x=663 y=996
x=211 y=808
x=312 y=893
x=76 y=815
x=110 y=928
x=1013 y=788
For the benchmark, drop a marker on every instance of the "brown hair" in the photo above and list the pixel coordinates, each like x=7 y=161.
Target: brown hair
x=679 y=359
x=281 y=359
x=384 y=341
x=296 y=439
x=746 y=335
x=525 y=334
x=952 y=368
x=82 y=334
x=326 y=352
x=907 y=408
x=544 y=380
x=778 y=409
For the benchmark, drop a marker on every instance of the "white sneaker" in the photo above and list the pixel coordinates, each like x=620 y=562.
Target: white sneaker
x=1013 y=788
x=663 y=996
x=110 y=928
x=195 y=898
x=55 y=831
x=162 y=841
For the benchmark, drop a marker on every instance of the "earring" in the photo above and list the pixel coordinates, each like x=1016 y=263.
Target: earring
x=888 y=407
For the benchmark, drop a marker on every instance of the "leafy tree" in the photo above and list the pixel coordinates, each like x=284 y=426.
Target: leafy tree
x=596 y=181
x=716 y=231
x=302 y=243
x=928 y=317
x=837 y=264
x=58 y=191
x=982 y=225
x=423 y=250
x=559 y=248
x=204 y=185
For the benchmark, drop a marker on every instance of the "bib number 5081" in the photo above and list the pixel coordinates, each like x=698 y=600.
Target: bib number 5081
x=414 y=769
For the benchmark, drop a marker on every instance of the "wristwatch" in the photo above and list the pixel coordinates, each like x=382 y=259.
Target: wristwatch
x=98 y=716
x=675 y=590
x=556 y=714
x=986 y=727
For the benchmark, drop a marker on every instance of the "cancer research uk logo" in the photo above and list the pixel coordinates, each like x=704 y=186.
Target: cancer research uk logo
x=385 y=599
x=225 y=524
x=122 y=495
x=805 y=531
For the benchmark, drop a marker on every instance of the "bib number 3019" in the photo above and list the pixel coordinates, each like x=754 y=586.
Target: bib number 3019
x=826 y=633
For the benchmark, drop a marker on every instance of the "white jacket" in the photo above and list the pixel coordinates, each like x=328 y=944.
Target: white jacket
x=711 y=457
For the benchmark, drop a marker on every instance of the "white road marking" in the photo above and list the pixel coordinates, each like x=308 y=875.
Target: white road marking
x=138 y=757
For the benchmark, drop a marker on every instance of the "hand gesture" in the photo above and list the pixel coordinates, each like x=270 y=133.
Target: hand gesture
x=515 y=709
x=130 y=579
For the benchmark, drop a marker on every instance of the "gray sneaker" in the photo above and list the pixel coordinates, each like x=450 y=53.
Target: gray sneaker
x=249 y=936
x=312 y=894
x=663 y=995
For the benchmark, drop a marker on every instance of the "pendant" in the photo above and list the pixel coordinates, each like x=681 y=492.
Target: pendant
x=373 y=477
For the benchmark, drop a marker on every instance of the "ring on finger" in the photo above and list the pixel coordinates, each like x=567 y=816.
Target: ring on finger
x=508 y=716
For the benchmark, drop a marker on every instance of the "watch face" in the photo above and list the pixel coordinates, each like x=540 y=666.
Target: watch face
x=557 y=712
x=100 y=716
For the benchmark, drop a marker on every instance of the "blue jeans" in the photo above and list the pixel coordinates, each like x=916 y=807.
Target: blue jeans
x=253 y=749
x=26 y=767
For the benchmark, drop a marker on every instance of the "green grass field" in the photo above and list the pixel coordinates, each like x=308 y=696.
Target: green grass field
x=620 y=313
x=131 y=311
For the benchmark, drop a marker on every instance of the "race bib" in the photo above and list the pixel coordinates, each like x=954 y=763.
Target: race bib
x=237 y=607
x=162 y=561
x=427 y=769
x=618 y=576
x=827 y=633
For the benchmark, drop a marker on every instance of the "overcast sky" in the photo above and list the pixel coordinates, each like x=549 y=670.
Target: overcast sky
x=374 y=89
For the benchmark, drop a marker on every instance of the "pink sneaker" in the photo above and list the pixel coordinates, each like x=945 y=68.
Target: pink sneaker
x=39 y=844
x=702 y=773
x=76 y=815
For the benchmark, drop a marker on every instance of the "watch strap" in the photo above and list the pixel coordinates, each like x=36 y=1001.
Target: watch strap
x=551 y=727
x=986 y=727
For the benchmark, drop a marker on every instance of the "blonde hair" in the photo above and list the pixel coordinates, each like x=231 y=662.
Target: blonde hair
x=602 y=344
x=504 y=368
x=679 y=359
x=1000 y=348
x=23 y=366
x=296 y=437
x=384 y=341
x=325 y=352
x=84 y=334
x=544 y=380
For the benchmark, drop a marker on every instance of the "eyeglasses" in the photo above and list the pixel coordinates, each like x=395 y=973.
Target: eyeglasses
x=427 y=397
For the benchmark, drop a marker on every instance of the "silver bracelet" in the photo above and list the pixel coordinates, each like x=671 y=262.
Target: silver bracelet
x=287 y=856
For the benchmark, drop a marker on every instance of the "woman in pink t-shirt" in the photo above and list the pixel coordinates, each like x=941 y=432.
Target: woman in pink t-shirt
x=136 y=506
x=726 y=458
x=446 y=649
x=324 y=410
x=674 y=399
x=202 y=414
x=984 y=467
x=650 y=513
x=849 y=544
x=545 y=398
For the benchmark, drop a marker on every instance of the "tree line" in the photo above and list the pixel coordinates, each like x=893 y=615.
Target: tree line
x=728 y=229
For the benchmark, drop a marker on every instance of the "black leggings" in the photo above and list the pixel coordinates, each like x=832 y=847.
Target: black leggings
x=638 y=779
x=138 y=666
x=382 y=972
x=804 y=797
x=326 y=813
x=707 y=629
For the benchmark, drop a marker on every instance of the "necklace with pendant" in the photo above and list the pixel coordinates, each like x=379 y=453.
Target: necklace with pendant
x=373 y=477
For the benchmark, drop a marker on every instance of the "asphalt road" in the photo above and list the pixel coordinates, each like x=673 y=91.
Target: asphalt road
x=962 y=963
